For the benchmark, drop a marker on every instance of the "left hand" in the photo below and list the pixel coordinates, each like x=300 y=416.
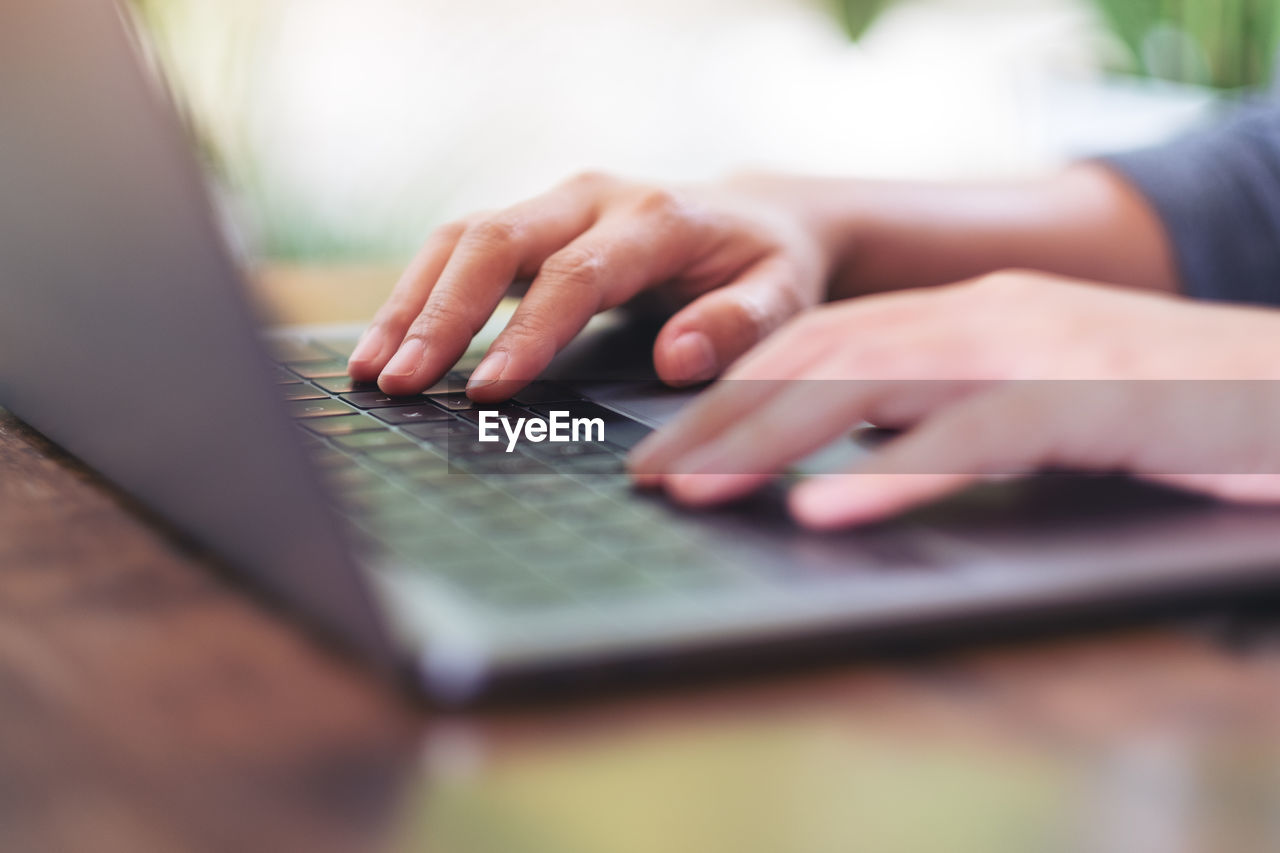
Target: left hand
x=981 y=345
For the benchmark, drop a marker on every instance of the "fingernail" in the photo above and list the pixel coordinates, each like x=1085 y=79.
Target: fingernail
x=488 y=371
x=407 y=359
x=693 y=488
x=370 y=344
x=820 y=505
x=695 y=356
x=705 y=488
x=810 y=503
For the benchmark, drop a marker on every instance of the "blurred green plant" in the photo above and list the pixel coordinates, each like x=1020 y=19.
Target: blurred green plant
x=857 y=16
x=211 y=55
x=1226 y=44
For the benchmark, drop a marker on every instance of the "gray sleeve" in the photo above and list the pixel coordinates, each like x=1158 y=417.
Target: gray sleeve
x=1218 y=194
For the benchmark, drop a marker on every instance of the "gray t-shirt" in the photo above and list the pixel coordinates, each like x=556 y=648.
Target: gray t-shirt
x=1218 y=194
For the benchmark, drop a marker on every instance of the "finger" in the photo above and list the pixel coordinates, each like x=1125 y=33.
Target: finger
x=602 y=268
x=834 y=501
x=801 y=417
x=384 y=334
x=488 y=256
x=714 y=330
x=803 y=348
x=1006 y=432
x=707 y=416
x=792 y=350
x=804 y=417
x=702 y=420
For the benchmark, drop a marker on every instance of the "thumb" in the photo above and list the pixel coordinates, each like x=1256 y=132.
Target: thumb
x=710 y=333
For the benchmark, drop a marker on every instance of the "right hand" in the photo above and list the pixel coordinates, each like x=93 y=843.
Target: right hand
x=736 y=259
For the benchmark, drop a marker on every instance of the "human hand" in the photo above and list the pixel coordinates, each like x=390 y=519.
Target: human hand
x=738 y=260
x=982 y=349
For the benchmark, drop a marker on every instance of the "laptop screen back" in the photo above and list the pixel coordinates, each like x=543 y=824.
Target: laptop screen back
x=125 y=334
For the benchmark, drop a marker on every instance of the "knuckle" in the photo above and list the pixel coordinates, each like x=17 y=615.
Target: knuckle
x=496 y=232
x=658 y=203
x=590 y=180
x=807 y=327
x=752 y=322
x=754 y=318
x=438 y=316
x=533 y=334
x=788 y=301
x=574 y=267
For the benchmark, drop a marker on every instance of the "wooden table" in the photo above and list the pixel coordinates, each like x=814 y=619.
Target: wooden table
x=147 y=704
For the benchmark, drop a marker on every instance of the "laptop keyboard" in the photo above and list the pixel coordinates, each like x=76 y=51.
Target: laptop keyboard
x=545 y=525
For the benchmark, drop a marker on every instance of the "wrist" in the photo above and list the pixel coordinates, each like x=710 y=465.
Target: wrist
x=831 y=212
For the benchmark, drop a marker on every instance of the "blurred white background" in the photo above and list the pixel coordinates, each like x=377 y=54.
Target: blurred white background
x=347 y=130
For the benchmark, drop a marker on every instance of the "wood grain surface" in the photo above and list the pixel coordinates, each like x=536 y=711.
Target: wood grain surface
x=145 y=704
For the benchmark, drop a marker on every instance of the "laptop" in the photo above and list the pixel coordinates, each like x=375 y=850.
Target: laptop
x=127 y=337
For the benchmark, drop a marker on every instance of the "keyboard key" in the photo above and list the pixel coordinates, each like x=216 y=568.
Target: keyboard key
x=596 y=514
x=344 y=385
x=441 y=432
x=452 y=383
x=534 y=488
x=327 y=457
x=539 y=549
x=544 y=392
x=396 y=522
x=478 y=569
x=469 y=445
x=454 y=401
x=301 y=391
x=378 y=400
x=434 y=550
x=492 y=524
x=552 y=451
x=319 y=408
x=529 y=528
x=406 y=459
x=594 y=463
x=619 y=429
x=320 y=369
x=374 y=440
x=341 y=425
x=282 y=376
x=354 y=478
x=619 y=537
x=439 y=486
x=613 y=487
x=400 y=415
x=505 y=463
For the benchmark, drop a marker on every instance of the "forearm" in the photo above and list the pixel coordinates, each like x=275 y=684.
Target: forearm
x=1085 y=222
